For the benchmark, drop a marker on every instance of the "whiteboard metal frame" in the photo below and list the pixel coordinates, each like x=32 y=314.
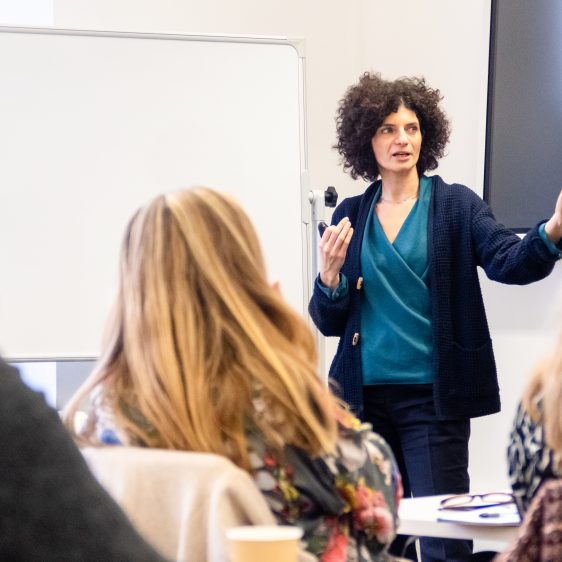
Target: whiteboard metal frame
x=307 y=236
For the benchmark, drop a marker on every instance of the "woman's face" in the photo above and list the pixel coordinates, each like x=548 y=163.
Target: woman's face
x=397 y=142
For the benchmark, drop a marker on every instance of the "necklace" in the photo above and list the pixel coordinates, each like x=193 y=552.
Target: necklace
x=399 y=201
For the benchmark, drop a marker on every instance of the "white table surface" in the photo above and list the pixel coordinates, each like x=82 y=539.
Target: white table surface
x=418 y=516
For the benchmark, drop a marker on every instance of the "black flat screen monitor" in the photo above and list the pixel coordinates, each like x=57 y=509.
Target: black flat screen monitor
x=523 y=170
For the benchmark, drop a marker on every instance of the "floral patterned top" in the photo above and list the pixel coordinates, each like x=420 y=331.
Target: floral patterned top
x=346 y=503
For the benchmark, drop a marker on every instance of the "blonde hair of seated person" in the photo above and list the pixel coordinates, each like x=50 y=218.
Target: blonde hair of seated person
x=200 y=344
x=545 y=385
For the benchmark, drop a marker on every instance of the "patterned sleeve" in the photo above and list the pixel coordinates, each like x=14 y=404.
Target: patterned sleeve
x=346 y=503
x=529 y=459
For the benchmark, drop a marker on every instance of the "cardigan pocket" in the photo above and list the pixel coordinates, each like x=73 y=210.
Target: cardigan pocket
x=472 y=371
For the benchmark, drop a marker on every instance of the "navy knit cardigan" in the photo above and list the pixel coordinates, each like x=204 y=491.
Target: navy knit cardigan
x=462 y=234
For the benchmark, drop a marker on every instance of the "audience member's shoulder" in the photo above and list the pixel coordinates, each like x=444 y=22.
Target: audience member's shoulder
x=17 y=397
x=9 y=375
x=30 y=430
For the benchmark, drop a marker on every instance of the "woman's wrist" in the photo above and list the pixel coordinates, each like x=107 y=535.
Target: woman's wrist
x=553 y=229
x=330 y=281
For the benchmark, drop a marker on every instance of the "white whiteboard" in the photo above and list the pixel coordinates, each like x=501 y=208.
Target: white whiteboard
x=93 y=125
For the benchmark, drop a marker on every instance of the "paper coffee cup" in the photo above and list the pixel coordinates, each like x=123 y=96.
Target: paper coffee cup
x=262 y=543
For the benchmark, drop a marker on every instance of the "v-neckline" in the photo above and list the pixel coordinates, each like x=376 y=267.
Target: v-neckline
x=401 y=226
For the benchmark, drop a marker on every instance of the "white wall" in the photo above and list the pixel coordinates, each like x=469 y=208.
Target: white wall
x=443 y=40
x=447 y=42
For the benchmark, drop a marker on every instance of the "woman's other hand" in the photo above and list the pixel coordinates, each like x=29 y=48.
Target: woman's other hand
x=553 y=228
x=333 y=249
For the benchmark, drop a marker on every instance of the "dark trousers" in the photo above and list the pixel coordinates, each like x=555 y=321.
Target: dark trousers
x=432 y=454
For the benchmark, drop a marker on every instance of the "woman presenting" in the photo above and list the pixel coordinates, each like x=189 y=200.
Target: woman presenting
x=398 y=284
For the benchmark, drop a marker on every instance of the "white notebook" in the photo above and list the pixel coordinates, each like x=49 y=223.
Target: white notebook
x=502 y=515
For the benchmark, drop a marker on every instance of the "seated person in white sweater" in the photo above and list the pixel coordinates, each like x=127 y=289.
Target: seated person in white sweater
x=203 y=354
x=51 y=507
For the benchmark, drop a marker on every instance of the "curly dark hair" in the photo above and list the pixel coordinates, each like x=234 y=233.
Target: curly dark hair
x=367 y=103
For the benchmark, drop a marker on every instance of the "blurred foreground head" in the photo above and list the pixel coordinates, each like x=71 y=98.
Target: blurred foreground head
x=200 y=349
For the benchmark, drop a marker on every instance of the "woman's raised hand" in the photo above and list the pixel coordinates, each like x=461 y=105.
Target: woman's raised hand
x=333 y=248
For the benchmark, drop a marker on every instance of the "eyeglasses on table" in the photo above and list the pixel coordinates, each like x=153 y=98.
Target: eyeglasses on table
x=476 y=501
